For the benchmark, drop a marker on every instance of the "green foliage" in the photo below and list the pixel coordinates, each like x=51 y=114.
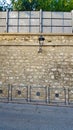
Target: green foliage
x=4 y=5
x=45 y=5
x=1 y=8
x=24 y=4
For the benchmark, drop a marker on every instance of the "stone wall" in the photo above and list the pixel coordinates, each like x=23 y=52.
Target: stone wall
x=20 y=62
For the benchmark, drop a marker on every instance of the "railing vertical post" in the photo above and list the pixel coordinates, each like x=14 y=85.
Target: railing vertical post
x=41 y=29
x=18 y=23
x=63 y=24
x=68 y=96
x=51 y=22
x=27 y=94
x=46 y=94
x=7 y=20
x=11 y=92
x=29 y=22
x=30 y=93
x=8 y=91
x=72 y=19
x=65 y=95
x=49 y=95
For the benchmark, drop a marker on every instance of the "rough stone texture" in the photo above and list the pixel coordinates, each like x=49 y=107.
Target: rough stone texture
x=20 y=62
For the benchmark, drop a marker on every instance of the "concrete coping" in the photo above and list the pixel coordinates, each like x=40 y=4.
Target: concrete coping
x=36 y=34
x=31 y=39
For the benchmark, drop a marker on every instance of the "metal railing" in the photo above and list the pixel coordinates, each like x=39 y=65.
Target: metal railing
x=57 y=95
x=70 y=95
x=36 y=94
x=4 y=93
x=19 y=93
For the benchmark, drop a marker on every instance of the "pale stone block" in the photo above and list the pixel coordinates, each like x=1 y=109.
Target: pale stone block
x=57 y=22
x=57 y=29
x=67 y=15
x=46 y=15
x=57 y=15
x=12 y=29
x=52 y=76
x=13 y=22
x=67 y=29
x=2 y=29
x=3 y=14
x=24 y=14
x=13 y=14
x=23 y=21
x=35 y=14
x=34 y=22
x=0 y=82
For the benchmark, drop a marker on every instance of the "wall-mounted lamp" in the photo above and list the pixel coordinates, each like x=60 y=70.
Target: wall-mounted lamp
x=41 y=41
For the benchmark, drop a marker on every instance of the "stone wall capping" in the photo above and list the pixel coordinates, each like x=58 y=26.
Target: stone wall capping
x=36 y=34
x=30 y=39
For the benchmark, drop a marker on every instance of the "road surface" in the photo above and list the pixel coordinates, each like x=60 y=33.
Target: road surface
x=35 y=117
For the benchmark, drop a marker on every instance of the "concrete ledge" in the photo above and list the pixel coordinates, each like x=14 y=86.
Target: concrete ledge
x=30 y=39
x=36 y=34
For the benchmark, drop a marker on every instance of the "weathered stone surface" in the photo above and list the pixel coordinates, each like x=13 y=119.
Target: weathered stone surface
x=23 y=64
x=20 y=62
